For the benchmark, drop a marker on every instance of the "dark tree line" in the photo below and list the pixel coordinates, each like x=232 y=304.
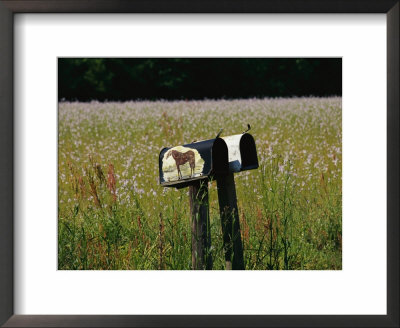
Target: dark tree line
x=101 y=79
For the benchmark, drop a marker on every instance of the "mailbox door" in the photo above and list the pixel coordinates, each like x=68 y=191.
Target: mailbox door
x=242 y=152
x=180 y=165
x=248 y=152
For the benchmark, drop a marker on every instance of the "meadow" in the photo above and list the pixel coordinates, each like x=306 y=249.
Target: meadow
x=114 y=215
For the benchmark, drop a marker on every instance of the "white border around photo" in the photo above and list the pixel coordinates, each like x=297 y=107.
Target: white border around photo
x=359 y=288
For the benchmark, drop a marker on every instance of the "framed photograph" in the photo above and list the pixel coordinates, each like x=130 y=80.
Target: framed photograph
x=202 y=164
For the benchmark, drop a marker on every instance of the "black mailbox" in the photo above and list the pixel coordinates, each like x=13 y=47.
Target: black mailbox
x=180 y=165
x=242 y=152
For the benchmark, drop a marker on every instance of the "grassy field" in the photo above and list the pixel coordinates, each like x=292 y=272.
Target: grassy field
x=113 y=214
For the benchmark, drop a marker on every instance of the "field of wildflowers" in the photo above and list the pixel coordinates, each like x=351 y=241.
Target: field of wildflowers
x=113 y=214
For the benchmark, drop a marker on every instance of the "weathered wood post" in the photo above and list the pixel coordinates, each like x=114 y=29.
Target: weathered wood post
x=230 y=222
x=200 y=225
x=242 y=156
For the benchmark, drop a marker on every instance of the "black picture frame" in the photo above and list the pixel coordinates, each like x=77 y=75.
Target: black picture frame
x=10 y=7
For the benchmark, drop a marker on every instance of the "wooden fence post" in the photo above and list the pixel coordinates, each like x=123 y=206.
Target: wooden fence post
x=201 y=235
x=230 y=222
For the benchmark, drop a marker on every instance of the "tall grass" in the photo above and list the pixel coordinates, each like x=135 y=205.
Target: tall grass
x=112 y=213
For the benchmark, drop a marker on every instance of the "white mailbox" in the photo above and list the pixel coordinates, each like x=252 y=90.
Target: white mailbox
x=242 y=152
